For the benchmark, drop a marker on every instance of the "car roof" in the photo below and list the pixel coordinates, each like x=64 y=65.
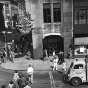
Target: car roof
x=79 y=61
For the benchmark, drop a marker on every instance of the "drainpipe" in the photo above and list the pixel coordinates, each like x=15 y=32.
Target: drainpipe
x=72 y=29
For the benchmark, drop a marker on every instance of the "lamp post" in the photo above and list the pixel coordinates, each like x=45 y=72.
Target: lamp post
x=4 y=32
x=32 y=27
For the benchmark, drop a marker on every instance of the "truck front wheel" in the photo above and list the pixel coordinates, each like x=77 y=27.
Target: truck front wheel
x=76 y=81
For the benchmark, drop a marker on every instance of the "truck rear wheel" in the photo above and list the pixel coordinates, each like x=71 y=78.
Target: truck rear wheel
x=76 y=81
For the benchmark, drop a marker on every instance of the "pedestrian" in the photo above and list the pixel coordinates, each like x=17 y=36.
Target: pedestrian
x=19 y=80
x=8 y=52
x=64 y=67
x=10 y=85
x=60 y=55
x=23 y=81
x=64 y=76
x=3 y=86
x=46 y=58
x=16 y=48
x=27 y=86
x=70 y=54
x=44 y=55
x=55 y=63
x=12 y=56
x=30 y=73
x=29 y=55
x=53 y=53
x=15 y=85
x=4 y=55
x=16 y=75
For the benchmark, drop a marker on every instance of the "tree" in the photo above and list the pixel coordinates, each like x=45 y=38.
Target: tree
x=24 y=24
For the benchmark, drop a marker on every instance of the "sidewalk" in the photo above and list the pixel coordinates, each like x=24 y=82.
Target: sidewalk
x=22 y=64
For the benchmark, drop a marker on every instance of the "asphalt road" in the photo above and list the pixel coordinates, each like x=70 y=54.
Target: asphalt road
x=42 y=79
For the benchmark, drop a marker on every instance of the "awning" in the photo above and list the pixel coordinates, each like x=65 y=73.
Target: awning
x=81 y=41
x=48 y=34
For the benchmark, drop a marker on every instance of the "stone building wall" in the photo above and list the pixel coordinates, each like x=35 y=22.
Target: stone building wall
x=36 y=14
x=63 y=28
x=67 y=23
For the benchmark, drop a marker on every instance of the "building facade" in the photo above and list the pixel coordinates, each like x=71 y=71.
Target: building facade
x=80 y=26
x=53 y=25
x=21 y=10
x=21 y=7
x=10 y=11
x=2 y=23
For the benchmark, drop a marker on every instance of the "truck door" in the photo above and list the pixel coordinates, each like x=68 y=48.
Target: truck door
x=87 y=72
x=79 y=71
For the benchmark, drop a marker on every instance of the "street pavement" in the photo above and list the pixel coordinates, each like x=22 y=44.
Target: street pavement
x=44 y=77
x=22 y=63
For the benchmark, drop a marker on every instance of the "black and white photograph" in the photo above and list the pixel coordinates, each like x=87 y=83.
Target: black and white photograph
x=43 y=43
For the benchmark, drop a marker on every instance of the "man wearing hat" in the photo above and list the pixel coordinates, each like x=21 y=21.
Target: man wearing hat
x=30 y=73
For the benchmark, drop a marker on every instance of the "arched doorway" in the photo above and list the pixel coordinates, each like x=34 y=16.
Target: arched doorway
x=53 y=42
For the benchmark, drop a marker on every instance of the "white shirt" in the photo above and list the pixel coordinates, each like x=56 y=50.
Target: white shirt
x=64 y=66
x=30 y=70
x=55 y=60
x=10 y=85
x=16 y=76
x=27 y=86
x=53 y=53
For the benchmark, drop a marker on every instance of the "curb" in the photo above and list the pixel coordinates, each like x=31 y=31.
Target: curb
x=48 y=68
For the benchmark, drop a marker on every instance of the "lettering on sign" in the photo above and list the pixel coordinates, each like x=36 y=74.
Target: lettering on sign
x=50 y=0
x=37 y=30
x=78 y=72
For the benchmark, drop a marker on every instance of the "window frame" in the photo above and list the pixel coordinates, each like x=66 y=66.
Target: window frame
x=58 y=12
x=79 y=7
x=45 y=12
x=55 y=13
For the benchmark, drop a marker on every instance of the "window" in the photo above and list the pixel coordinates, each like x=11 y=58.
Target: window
x=78 y=66
x=52 y=11
x=80 y=12
x=76 y=16
x=6 y=5
x=82 y=16
x=56 y=12
x=46 y=13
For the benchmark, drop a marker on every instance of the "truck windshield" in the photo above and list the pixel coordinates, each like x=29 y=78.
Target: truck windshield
x=78 y=66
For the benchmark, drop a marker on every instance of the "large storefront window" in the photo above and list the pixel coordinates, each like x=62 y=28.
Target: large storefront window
x=81 y=50
x=87 y=16
x=82 y=16
x=80 y=12
x=76 y=16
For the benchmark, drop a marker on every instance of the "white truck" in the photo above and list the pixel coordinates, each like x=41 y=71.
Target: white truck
x=77 y=72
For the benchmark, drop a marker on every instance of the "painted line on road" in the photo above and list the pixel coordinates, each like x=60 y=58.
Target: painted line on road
x=52 y=80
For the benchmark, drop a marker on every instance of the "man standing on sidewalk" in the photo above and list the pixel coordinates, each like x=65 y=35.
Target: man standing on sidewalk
x=55 y=62
x=30 y=73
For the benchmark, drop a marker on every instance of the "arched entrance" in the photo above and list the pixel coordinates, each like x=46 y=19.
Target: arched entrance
x=53 y=42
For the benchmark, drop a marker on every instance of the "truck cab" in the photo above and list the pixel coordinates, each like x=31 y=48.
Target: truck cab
x=77 y=72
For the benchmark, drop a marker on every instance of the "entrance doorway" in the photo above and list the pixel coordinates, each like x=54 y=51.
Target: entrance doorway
x=51 y=48
x=53 y=42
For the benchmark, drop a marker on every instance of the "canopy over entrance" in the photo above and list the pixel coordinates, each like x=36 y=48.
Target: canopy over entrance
x=81 y=41
x=53 y=42
x=49 y=34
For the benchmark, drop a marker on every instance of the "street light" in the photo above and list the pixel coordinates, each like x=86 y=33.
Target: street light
x=5 y=32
